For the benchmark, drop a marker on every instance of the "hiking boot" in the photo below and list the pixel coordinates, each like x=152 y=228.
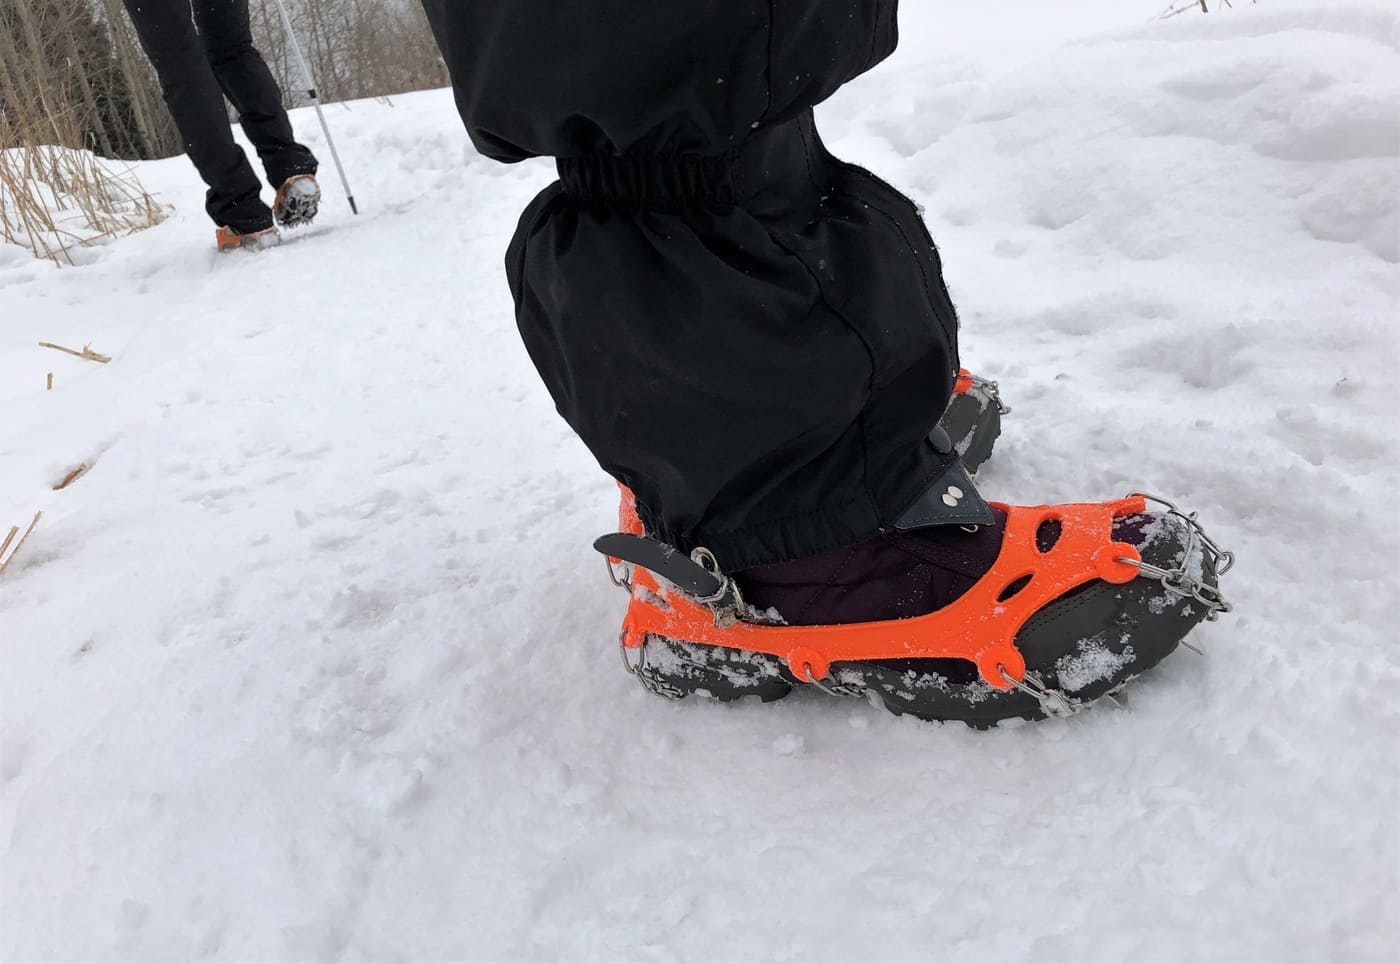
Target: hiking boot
x=229 y=239
x=298 y=200
x=1033 y=612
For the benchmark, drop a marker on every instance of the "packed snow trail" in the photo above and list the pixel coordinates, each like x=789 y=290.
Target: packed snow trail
x=316 y=663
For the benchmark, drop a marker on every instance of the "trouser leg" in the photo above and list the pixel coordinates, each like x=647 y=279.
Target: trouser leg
x=247 y=82
x=752 y=336
x=763 y=374
x=167 y=35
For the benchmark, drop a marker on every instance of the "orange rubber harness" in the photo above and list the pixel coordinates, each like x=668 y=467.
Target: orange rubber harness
x=979 y=626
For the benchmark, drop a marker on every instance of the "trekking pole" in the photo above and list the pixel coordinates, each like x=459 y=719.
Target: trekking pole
x=315 y=101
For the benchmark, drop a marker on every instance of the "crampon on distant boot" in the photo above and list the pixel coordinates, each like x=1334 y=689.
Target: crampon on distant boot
x=973 y=418
x=228 y=239
x=1078 y=600
x=297 y=201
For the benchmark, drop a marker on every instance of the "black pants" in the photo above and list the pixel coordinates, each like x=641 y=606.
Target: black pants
x=197 y=70
x=752 y=335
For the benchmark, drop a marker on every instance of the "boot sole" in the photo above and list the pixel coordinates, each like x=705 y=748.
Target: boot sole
x=299 y=209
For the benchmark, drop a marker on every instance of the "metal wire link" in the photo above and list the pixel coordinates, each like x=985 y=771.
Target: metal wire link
x=650 y=683
x=623 y=581
x=1183 y=584
x=726 y=601
x=1053 y=703
x=833 y=688
x=1180 y=582
x=994 y=390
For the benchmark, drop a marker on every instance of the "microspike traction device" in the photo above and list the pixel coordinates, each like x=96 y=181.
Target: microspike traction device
x=980 y=626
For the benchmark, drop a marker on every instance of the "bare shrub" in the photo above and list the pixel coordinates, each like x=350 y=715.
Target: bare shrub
x=354 y=48
x=1200 y=5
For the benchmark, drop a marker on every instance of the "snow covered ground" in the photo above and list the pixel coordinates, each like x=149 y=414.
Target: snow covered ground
x=316 y=663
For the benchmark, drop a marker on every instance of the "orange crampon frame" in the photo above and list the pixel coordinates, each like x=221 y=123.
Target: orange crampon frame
x=980 y=626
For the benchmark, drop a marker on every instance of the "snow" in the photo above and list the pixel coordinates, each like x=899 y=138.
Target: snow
x=316 y=662
x=1092 y=662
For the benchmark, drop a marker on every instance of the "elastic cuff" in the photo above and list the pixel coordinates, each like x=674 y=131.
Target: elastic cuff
x=781 y=540
x=917 y=501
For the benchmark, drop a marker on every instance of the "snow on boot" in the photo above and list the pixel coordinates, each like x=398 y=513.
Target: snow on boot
x=1034 y=613
x=229 y=239
x=298 y=200
x=973 y=418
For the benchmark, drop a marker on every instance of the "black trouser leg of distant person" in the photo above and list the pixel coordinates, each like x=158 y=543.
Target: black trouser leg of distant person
x=197 y=68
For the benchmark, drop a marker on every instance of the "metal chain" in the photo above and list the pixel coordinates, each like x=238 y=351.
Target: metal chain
x=727 y=602
x=739 y=610
x=993 y=390
x=1180 y=582
x=624 y=581
x=832 y=688
x=650 y=682
x=1053 y=703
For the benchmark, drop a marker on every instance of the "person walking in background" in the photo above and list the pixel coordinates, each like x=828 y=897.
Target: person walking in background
x=202 y=53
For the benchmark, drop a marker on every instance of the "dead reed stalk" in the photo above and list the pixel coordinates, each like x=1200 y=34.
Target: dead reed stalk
x=73 y=475
x=87 y=353
x=4 y=560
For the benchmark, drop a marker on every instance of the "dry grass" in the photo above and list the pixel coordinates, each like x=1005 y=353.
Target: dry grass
x=65 y=79
x=6 y=560
x=54 y=200
x=86 y=353
x=74 y=474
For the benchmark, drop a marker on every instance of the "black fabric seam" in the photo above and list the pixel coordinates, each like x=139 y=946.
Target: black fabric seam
x=950 y=335
x=874 y=35
x=768 y=67
x=865 y=343
x=904 y=236
x=526 y=233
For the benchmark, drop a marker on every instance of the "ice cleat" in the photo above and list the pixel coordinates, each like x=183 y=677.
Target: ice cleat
x=298 y=200
x=1078 y=600
x=973 y=418
x=229 y=239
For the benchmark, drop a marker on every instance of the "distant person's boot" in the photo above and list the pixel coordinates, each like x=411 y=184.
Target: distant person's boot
x=229 y=239
x=298 y=200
